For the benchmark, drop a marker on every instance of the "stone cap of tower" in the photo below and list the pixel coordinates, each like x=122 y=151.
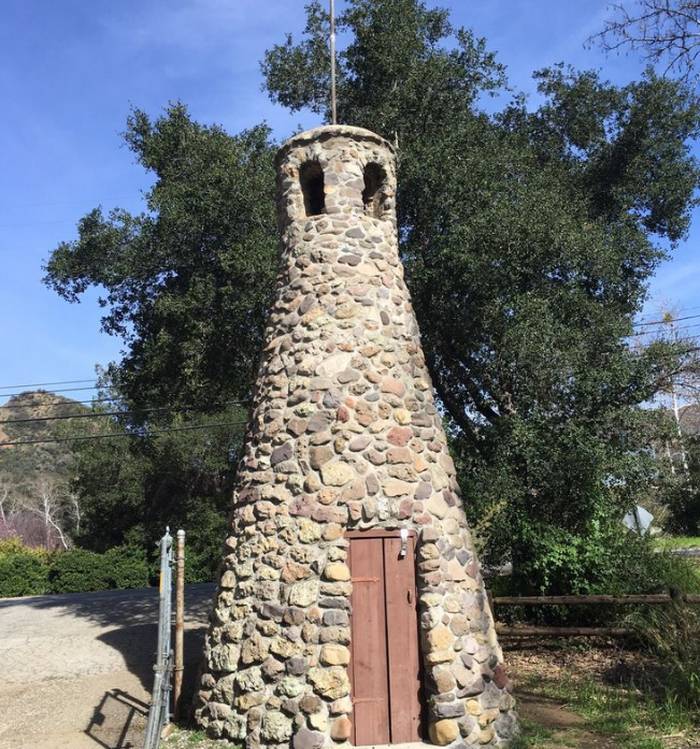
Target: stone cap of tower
x=332 y=131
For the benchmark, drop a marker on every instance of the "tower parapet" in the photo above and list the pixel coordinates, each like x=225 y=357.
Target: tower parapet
x=350 y=606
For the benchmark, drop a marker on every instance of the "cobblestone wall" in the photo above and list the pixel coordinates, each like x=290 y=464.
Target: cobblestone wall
x=344 y=434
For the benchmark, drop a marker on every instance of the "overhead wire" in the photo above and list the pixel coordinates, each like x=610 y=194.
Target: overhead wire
x=102 y=414
x=66 y=403
x=56 y=392
x=111 y=435
x=42 y=384
x=664 y=322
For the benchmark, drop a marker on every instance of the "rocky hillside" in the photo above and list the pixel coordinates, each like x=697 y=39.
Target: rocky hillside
x=23 y=466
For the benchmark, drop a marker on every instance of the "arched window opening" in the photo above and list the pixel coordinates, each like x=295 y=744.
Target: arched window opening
x=373 y=194
x=311 y=178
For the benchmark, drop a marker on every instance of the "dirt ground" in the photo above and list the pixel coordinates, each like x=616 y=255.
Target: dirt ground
x=604 y=663
x=77 y=670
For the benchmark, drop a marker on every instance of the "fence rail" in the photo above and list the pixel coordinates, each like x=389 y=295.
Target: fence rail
x=592 y=600
x=526 y=630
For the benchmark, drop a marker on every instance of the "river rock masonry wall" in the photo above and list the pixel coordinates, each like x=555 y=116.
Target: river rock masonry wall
x=344 y=435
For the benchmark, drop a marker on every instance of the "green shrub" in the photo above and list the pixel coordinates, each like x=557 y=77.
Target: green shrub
x=78 y=570
x=23 y=571
x=127 y=567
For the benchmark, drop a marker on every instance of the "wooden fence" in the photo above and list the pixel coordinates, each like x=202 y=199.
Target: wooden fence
x=525 y=630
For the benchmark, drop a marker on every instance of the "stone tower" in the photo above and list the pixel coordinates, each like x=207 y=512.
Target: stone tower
x=345 y=442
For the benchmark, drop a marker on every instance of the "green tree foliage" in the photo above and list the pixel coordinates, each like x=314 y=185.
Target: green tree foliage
x=175 y=471
x=528 y=238
x=684 y=494
x=186 y=283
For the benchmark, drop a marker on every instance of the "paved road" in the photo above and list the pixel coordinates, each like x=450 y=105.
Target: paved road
x=76 y=670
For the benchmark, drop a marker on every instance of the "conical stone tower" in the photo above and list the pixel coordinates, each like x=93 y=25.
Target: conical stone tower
x=350 y=607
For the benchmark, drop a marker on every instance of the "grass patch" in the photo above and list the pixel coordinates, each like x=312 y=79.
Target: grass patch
x=182 y=738
x=533 y=735
x=669 y=543
x=636 y=720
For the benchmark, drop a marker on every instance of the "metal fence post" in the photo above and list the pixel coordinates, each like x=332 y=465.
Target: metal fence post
x=160 y=702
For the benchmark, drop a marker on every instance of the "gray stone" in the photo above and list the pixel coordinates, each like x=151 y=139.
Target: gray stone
x=448 y=709
x=306 y=739
x=282 y=453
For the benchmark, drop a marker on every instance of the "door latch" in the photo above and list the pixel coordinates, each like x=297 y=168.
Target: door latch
x=404 y=543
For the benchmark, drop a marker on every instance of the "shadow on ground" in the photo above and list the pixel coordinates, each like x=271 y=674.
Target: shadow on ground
x=119 y=721
x=127 y=621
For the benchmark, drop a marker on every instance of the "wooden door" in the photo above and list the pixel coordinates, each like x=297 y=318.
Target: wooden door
x=384 y=667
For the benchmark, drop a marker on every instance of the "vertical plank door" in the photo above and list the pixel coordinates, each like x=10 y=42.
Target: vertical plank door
x=369 y=651
x=402 y=641
x=384 y=665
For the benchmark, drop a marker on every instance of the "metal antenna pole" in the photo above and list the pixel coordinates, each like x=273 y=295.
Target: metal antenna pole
x=334 y=113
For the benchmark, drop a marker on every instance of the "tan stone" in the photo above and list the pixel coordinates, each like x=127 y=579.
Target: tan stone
x=443 y=732
x=439 y=656
x=320 y=455
x=336 y=474
x=341 y=729
x=399 y=455
x=331 y=682
x=402 y=416
x=303 y=594
x=228 y=579
x=332 y=532
x=337 y=572
x=440 y=638
x=437 y=506
x=396 y=487
x=444 y=680
x=309 y=531
x=276 y=727
x=246 y=701
x=334 y=364
x=341 y=706
x=487 y=735
x=334 y=655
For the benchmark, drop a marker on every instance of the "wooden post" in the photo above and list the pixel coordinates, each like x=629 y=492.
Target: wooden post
x=179 y=624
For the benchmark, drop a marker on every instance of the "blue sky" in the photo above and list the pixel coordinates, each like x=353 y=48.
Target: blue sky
x=70 y=70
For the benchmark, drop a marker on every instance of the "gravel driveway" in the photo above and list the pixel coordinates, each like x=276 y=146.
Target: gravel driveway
x=77 y=669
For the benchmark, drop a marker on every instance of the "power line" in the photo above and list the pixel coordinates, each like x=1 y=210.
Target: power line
x=114 y=413
x=112 y=435
x=57 y=392
x=676 y=310
x=41 y=384
x=664 y=322
x=661 y=330
x=67 y=402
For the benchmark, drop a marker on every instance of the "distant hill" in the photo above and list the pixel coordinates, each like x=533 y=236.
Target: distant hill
x=22 y=466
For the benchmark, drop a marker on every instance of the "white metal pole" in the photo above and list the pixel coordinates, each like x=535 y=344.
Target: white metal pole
x=334 y=112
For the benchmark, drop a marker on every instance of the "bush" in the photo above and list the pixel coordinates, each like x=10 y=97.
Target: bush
x=127 y=567
x=630 y=565
x=28 y=572
x=23 y=571
x=78 y=570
